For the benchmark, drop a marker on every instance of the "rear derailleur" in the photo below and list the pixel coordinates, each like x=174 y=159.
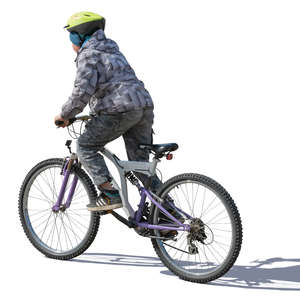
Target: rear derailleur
x=197 y=233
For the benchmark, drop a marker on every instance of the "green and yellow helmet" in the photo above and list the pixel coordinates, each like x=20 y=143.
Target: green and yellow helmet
x=85 y=22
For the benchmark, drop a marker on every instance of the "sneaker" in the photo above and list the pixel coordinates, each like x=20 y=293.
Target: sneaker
x=107 y=200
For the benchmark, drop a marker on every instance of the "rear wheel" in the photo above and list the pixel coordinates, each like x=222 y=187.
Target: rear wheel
x=66 y=233
x=214 y=243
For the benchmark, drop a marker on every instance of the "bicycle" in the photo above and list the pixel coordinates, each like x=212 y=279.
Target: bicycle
x=62 y=228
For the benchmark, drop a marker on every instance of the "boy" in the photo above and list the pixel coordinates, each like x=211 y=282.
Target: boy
x=119 y=103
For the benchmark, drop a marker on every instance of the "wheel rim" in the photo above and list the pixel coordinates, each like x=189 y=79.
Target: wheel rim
x=59 y=232
x=199 y=200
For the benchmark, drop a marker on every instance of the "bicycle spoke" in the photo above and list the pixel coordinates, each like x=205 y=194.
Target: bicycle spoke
x=176 y=196
x=58 y=234
x=76 y=222
x=221 y=223
x=39 y=211
x=55 y=194
x=75 y=199
x=199 y=259
x=55 y=227
x=219 y=236
x=187 y=194
x=194 y=200
x=208 y=222
x=72 y=230
x=203 y=250
x=210 y=205
x=225 y=217
x=219 y=243
x=212 y=253
x=47 y=184
x=186 y=200
x=219 y=203
x=40 y=217
x=39 y=189
x=83 y=216
x=41 y=199
x=52 y=228
x=78 y=191
x=66 y=232
x=42 y=230
x=46 y=225
x=204 y=194
x=222 y=230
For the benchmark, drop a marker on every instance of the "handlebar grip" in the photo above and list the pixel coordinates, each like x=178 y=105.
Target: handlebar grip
x=58 y=122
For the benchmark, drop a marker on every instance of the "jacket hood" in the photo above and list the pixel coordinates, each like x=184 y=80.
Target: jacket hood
x=98 y=41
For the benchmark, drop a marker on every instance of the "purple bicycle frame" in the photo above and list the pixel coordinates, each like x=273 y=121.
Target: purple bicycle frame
x=138 y=214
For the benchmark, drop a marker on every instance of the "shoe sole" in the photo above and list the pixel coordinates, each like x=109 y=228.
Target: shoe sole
x=106 y=207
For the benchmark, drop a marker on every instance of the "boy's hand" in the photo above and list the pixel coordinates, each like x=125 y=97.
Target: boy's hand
x=59 y=118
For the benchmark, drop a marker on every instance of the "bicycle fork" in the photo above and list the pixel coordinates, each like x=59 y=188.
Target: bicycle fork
x=66 y=171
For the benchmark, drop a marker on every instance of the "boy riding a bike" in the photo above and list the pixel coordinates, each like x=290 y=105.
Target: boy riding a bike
x=198 y=239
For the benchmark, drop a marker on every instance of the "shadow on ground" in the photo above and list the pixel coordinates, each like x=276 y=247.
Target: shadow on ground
x=259 y=274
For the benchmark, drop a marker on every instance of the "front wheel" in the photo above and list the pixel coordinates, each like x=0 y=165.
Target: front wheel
x=68 y=232
x=211 y=248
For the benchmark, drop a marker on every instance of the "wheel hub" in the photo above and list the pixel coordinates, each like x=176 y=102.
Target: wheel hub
x=56 y=209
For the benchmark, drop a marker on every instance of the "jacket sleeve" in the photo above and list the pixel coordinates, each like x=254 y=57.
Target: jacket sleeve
x=84 y=86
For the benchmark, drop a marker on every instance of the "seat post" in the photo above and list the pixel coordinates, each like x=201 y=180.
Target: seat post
x=153 y=165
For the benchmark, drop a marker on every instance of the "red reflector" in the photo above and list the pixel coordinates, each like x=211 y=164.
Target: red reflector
x=169 y=156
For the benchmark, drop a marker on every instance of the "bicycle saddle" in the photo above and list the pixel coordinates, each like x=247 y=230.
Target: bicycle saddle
x=159 y=148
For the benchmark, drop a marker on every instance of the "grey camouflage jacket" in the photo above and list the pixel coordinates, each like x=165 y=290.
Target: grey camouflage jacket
x=105 y=80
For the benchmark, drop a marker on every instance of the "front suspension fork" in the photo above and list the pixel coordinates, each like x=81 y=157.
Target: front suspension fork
x=66 y=171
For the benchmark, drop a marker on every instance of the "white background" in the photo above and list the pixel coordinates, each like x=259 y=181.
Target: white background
x=224 y=77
